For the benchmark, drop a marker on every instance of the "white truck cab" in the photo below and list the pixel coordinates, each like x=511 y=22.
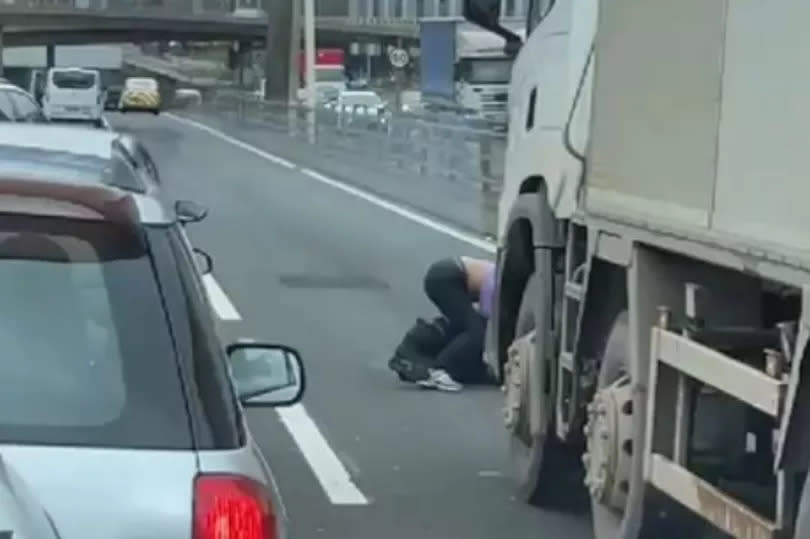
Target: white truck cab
x=652 y=307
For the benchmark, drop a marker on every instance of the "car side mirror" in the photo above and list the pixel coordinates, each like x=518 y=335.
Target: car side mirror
x=205 y=264
x=189 y=212
x=266 y=374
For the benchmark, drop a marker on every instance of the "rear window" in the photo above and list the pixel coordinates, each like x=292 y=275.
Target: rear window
x=141 y=84
x=73 y=80
x=87 y=356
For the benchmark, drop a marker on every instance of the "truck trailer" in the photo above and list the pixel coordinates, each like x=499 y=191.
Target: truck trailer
x=652 y=309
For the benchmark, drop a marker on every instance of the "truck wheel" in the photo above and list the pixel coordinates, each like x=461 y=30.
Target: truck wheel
x=802 y=525
x=609 y=458
x=541 y=465
x=609 y=435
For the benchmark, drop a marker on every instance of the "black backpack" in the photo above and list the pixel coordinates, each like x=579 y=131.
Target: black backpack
x=419 y=347
x=424 y=339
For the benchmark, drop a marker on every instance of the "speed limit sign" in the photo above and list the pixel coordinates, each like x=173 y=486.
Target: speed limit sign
x=399 y=58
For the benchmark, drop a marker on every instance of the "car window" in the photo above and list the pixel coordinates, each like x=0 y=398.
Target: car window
x=145 y=162
x=123 y=172
x=26 y=108
x=74 y=79
x=217 y=396
x=141 y=84
x=87 y=354
x=6 y=108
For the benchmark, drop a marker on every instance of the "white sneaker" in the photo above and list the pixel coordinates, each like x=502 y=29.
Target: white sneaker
x=439 y=379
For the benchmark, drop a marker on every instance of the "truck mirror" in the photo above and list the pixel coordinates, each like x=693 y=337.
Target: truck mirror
x=484 y=13
x=487 y=15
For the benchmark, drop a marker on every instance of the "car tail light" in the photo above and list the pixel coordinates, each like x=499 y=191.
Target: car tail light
x=232 y=507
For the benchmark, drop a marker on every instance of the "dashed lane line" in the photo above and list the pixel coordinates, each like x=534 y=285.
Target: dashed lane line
x=319 y=455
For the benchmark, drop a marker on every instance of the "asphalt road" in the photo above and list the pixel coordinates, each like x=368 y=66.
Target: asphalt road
x=339 y=277
x=374 y=162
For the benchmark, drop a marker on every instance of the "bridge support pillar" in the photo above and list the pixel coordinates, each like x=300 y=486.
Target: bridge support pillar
x=50 y=56
x=242 y=59
x=1 y=51
x=282 y=28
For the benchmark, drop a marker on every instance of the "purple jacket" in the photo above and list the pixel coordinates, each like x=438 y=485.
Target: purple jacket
x=487 y=292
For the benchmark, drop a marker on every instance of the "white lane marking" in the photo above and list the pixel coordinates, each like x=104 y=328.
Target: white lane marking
x=219 y=299
x=397 y=209
x=402 y=211
x=330 y=472
x=319 y=455
x=236 y=142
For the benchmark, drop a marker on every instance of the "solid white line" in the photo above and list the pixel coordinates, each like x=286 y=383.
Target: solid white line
x=236 y=142
x=330 y=472
x=321 y=458
x=402 y=211
x=397 y=209
x=219 y=299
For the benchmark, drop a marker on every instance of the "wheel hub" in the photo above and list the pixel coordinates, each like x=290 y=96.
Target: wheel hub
x=609 y=444
x=515 y=379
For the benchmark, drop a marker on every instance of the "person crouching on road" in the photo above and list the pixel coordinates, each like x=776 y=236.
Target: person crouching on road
x=455 y=285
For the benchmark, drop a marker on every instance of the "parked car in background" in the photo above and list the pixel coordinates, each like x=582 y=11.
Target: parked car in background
x=17 y=105
x=73 y=93
x=140 y=94
x=187 y=97
x=110 y=429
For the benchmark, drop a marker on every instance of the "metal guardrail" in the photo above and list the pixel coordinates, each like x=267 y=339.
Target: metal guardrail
x=460 y=160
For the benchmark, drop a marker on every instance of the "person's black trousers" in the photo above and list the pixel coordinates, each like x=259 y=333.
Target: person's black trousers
x=446 y=286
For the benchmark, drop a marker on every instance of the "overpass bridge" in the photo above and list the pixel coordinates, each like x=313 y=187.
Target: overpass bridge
x=34 y=22
x=66 y=22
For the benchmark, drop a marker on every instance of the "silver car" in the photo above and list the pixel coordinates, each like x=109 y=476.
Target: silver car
x=120 y=408
x=21 y=514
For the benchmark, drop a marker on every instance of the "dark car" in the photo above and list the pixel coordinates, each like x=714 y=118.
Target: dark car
x=120 y=405
x=112 y=96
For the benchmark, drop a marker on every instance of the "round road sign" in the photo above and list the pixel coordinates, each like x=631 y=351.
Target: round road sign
x=398 y=57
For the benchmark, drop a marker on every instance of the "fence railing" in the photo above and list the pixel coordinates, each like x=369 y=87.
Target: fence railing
x=448 y=168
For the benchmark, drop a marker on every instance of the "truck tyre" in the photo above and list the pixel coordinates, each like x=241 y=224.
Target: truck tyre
x=610 y=400
x=802 y=525
x=543 y=467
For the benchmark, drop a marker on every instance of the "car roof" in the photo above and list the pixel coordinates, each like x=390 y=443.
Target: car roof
x=6 y=85
x=140 y=79
x=74 y=68
x=63 y=156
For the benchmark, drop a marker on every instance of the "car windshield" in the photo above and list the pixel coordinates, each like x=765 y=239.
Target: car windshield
x=73 y=79
x=361 y=100
x=87 y=355
x=489 y=71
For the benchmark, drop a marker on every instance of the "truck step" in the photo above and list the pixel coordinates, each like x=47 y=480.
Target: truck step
x=567 y=360
x=726 y=513
x=574 y=291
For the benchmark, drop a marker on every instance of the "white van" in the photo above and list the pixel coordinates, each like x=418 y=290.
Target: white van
x=73 y=94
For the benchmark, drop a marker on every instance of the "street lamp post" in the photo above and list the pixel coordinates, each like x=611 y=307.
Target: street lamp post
x=309 y=63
